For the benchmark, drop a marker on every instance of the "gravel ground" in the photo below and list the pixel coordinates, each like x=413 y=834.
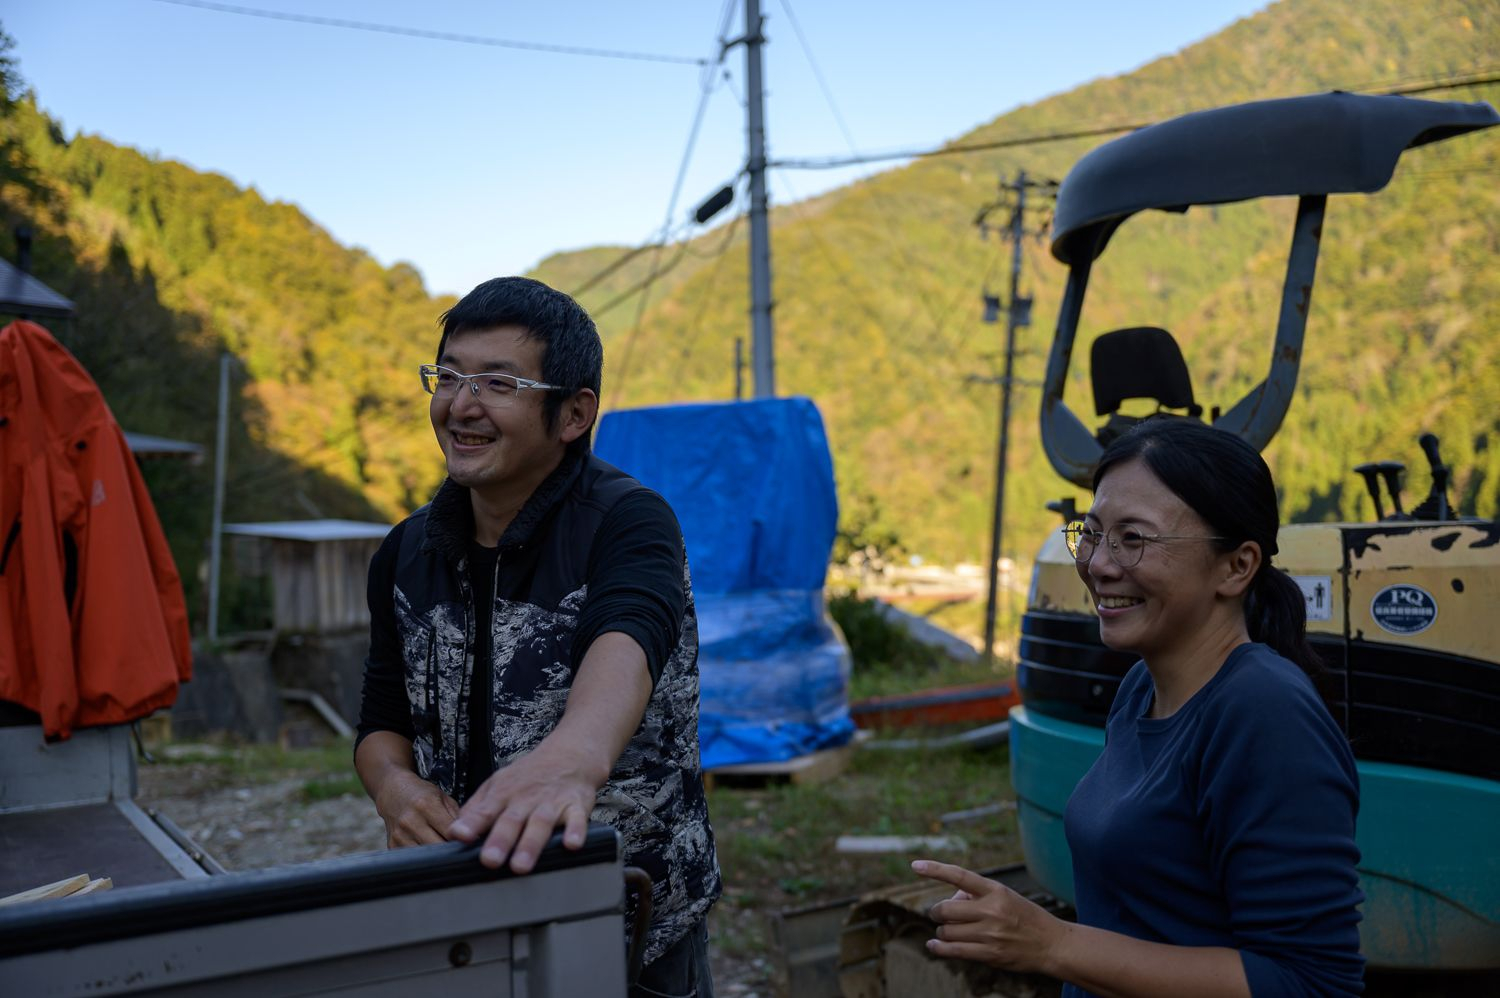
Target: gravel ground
x=246 y=826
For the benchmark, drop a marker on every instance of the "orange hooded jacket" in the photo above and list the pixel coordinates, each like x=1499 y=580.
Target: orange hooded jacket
x=71 y=496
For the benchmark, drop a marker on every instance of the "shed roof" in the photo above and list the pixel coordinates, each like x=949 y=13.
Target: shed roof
x=326 y=530
x=150 y=445
x=23 y=295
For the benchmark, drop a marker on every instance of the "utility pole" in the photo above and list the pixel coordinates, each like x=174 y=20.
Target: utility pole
x=215 y=541
x=762 y=356
x=739 y=368
x=1017 y=314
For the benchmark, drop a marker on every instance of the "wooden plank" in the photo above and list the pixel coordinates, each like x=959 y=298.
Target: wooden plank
x=52 y=890
x=809 y=769
x=95 y=885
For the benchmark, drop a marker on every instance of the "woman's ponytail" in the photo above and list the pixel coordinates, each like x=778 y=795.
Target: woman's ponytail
x=1276 y=614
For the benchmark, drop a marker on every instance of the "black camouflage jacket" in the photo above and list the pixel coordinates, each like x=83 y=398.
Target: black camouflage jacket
x=655 y=795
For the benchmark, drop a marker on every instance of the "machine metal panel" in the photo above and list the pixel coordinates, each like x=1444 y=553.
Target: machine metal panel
x=94 y=765
x=414 y=922
x=1449 y=569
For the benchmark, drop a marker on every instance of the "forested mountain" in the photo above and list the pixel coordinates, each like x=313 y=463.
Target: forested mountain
x=170 y=268
x=878 y=291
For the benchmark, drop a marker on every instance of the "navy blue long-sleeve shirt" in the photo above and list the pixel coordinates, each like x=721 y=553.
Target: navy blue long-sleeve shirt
x=1229 y=823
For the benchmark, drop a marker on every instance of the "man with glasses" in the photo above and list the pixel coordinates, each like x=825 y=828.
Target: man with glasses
x=533 y=653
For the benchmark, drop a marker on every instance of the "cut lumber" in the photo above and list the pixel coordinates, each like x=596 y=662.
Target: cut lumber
x=62 y=887
x=95 y=885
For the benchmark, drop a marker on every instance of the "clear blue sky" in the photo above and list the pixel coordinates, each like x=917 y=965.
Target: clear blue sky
x=471 y=161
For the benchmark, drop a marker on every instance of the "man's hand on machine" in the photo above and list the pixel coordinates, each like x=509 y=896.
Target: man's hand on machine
x=521 y=804
x=415 y=811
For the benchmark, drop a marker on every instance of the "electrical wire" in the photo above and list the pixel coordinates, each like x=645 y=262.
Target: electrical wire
x=645 y=283
x=1452 y=82
x=706 y=87
x=696 y=327
x=840 y=275
x=817 y=73
x=615 y=265
x=439 y=36
x=653 y=243
x=887 y=234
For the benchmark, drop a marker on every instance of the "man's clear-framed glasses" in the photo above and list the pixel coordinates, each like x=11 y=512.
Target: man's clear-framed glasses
x=496 y=390
x=1125 y=543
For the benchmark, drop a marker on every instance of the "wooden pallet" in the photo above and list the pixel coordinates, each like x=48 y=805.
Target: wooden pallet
x=809 y=769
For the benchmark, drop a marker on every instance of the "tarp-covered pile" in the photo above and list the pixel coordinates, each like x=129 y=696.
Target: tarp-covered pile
x=93 y=627
x=752 y=485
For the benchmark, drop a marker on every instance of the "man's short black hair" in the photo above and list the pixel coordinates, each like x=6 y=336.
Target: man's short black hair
x=572 y=354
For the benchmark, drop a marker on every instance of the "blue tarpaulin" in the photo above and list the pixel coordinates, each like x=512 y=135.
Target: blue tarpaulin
x=752 y=486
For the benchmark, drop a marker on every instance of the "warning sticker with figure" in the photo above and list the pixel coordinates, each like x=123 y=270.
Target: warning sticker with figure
x=1317 y=591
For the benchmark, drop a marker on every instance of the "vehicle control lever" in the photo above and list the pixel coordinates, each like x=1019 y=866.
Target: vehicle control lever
x=1066 y=508
x=1391 y=471
x=1436 y=507
x=1369 y=471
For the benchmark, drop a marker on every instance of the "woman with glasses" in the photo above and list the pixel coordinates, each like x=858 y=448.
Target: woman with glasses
x=1213 y=840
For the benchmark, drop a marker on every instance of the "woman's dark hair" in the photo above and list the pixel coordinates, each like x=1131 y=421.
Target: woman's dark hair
x=1226 y=482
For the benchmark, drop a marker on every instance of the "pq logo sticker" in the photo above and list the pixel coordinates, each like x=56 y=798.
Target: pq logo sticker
x=1404 y=609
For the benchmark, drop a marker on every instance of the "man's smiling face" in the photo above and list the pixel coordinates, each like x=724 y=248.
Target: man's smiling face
x=495 y=450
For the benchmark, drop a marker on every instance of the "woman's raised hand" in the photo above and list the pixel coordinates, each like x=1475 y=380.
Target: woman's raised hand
x=986 y=922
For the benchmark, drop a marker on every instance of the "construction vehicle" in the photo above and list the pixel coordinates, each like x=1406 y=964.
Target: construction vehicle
x=1399 y=609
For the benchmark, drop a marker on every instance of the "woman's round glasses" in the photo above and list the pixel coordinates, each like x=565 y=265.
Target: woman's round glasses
x=494 y=389
x=1126 y=544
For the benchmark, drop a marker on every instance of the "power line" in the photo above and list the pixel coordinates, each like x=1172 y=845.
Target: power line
x=1457 y=82
x=618 y=263
x=645 y=283
x=706 y=87
x=833 y=162
x=818 y=74
x=696 y=327
x=735 y=220
x=1454 y=82
x=899 y=245
x=839 y=274
x=439 y=36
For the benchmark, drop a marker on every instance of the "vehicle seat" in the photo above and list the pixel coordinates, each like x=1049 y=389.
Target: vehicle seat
x=1140 y=362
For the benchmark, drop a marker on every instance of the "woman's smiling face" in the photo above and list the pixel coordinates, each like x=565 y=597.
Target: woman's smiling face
x=1165 y=598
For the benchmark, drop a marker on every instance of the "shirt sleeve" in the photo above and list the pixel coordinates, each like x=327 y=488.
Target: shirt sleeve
x=1279 y=796
x=383 y=703
x=636 y=580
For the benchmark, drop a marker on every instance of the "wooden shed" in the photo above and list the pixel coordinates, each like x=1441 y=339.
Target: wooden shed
x=318 y=571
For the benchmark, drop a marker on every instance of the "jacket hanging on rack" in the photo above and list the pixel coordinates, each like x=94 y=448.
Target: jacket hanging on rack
x=93 y=625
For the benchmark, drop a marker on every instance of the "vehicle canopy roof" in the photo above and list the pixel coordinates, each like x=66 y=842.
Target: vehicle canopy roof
x=1319 y=144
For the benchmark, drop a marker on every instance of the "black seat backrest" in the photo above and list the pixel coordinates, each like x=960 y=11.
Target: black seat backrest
x=1142 y=362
